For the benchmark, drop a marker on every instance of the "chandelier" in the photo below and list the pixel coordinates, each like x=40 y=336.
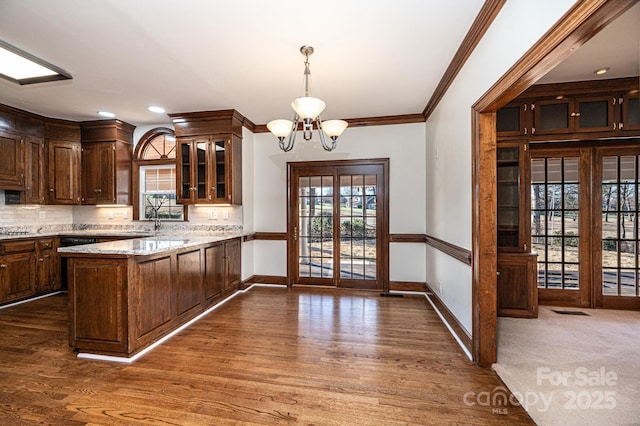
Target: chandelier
x=307 y=110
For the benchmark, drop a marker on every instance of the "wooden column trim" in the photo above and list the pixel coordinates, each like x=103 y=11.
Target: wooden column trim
x=480 y=25
x=576 y=27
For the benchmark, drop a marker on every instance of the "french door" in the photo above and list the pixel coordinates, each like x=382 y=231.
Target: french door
x=338 y=223
x=617 y=253
x=584 y=225
x=561 y=226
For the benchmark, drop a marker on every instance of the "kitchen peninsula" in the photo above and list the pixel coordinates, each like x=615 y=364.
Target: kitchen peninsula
x=125 y=295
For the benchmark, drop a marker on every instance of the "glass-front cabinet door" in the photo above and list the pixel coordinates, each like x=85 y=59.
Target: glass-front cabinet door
x=193 y=171
x=220 y=160
x=513 y=205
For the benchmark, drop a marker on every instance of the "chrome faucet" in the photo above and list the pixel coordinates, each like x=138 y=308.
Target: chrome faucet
x=157 y=222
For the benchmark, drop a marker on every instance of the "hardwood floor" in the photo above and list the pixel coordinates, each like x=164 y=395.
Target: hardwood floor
x=268 y=356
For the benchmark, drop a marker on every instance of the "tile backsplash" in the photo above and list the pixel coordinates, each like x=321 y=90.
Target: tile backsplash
x=46 y=218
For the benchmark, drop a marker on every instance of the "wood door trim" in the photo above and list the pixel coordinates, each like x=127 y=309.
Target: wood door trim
x=383 y=223
x=481 y=24
x=575 y=28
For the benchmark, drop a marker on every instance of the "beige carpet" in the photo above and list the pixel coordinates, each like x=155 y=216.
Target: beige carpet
x=573 y=370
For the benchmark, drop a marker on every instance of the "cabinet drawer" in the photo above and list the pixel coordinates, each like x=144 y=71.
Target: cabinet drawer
x=17 y=246
x=45 y=244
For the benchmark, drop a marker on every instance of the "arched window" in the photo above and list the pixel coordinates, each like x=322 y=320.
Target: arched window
x=155 y=177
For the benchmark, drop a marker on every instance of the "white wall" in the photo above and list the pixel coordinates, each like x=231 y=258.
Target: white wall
x=247 y=201
x=402 y=144
x=448 y=132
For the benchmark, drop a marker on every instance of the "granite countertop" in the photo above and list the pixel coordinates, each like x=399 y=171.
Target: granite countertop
x=87 y=233
x=149 y=245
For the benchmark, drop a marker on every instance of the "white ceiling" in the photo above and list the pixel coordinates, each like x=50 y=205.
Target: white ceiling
x=617 y=46
x=374 y=58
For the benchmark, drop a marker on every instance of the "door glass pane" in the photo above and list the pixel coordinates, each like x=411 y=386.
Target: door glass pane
x=185 y=161
x=315 y=227
x=358 y=201
x=220 y=158
x=620 y=242
x=555 y=219
x=201 y=182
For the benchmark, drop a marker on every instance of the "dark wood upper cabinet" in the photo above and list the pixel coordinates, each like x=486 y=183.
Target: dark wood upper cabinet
x=194 y=170
x=572 y=111
x=11 y=161
x=578 y=114
x=34 y=171
x=513 y=119
x=630 y=112
x=209 y=157
x=63 y=162
x=64 y=172
x=106 y=162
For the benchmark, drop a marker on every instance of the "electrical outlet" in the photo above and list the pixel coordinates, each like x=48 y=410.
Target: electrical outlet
x=225 y=214
x=42 y=214
x=213 y=215
x=110 y=215
x=125 y=213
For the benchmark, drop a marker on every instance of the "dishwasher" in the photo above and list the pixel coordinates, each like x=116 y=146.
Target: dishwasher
x=68 y=242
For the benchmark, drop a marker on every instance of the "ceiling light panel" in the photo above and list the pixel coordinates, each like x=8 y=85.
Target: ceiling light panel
x=21 y=67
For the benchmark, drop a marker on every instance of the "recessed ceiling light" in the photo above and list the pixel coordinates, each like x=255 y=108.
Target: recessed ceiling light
x=157 y=109
x=106 y=114
x=601 y=71
x=21 y=67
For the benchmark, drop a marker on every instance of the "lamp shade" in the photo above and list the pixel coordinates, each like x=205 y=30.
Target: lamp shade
x=280 y=128
x=334 y=128
x=308 y=107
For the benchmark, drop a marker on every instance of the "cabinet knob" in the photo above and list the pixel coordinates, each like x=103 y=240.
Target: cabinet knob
x=50 y=189
x=41 y=260
x=498 y=273
x=3 y=266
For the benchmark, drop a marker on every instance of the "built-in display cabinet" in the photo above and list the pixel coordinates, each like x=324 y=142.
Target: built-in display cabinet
x=517 y=286
x=602 y=109
x=209 y=160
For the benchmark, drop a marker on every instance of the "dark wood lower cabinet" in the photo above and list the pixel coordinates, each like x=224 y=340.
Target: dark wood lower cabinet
x=97 y=303
x=17 y=276
x=215 y=270
x=517 y=285
x=188 y=287
x=122 y=304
